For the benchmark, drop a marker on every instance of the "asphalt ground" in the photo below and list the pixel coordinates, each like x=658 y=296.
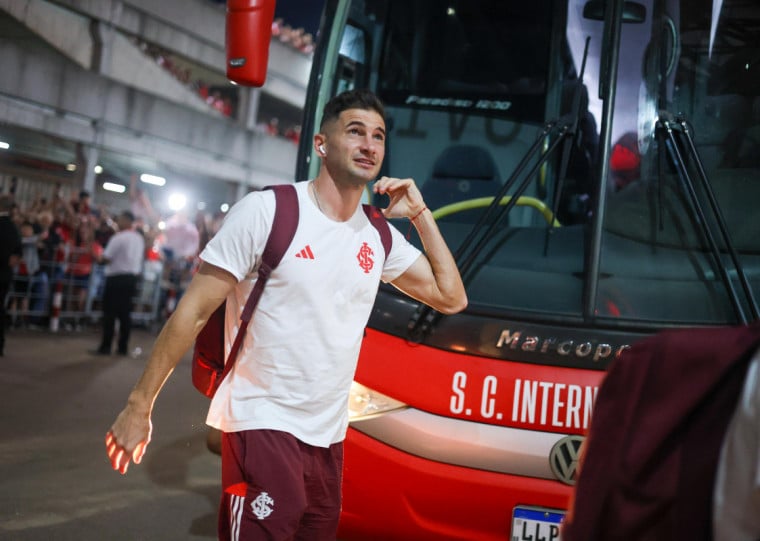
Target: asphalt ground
x=56 y=483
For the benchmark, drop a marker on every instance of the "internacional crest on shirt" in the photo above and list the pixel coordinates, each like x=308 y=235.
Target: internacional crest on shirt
x=365 y=258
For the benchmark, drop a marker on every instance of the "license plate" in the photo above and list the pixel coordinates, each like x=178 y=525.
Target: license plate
x=534 y=524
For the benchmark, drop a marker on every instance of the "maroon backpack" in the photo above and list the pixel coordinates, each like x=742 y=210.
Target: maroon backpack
x=209 y=366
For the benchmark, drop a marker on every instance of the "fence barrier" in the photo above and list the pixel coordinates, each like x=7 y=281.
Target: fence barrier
x=55 y=298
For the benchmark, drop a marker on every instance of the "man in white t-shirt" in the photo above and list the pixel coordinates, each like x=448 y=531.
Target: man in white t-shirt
x=123 y=259
x=283 y=407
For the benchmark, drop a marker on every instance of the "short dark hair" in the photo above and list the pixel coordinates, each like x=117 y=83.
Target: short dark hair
x=351 y=99
x=128 y=215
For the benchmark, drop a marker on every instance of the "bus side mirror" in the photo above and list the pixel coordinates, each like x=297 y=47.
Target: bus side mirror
x=633 y=12
x=248 y=34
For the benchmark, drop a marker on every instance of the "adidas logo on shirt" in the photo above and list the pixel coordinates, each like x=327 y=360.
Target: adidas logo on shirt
x=306 y=253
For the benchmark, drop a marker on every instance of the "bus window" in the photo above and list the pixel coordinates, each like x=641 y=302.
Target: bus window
x=351 y=72
x=489 y=81
x=695 y=79
x=462 y=114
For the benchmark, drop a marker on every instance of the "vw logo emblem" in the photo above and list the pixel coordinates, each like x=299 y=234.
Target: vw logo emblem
x=563 y=458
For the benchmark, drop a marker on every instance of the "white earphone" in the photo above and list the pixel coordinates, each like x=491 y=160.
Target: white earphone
x=322 y=150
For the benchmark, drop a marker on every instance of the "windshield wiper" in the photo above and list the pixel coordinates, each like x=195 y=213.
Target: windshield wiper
x=564 y=129
x=572 y=133
x=676 y=135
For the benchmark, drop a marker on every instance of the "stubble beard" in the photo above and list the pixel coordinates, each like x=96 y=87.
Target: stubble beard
x=360 y=178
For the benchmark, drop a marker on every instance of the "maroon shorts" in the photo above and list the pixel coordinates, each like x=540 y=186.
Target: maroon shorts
x=278 y=488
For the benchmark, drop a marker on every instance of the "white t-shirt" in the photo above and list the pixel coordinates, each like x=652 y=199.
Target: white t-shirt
x=299 y=355
x=124 y=252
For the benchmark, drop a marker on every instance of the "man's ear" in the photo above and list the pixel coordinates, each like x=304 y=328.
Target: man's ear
x=319 y=144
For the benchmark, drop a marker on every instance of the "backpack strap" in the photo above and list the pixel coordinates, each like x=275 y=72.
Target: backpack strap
x=377 y=219
x=283 y=230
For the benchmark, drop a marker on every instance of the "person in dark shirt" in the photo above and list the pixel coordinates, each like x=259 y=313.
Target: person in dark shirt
x=10 y=253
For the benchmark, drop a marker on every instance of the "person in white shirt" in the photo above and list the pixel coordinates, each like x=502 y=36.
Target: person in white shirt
x=283 y=407
x=123 y=259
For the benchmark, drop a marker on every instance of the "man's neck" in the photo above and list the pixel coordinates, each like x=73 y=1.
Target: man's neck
x=337 y=200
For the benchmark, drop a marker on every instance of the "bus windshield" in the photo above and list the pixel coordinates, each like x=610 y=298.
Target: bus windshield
x=579 y=167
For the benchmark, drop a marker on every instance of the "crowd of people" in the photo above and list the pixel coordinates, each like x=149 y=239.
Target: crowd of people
x=297 y=38
x=64 y=247
x=272 y=127
x=61 y=239
x=223 y=97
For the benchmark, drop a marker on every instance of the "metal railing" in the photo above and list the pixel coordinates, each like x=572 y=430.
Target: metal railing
x=54 y=297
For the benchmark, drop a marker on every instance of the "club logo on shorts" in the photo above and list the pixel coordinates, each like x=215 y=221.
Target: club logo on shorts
x=364 y=257
x=262 y=506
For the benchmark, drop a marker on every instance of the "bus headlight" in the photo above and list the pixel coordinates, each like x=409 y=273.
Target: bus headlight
x=364 y=403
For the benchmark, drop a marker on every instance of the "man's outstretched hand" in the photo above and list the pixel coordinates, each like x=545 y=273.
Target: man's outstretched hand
x=128 y=438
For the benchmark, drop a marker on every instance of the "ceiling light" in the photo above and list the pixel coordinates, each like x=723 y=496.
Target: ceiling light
x=113 y=187
x=152 y=179
x=4 y=145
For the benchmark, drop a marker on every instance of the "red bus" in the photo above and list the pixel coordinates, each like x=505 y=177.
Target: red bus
x=595 y=168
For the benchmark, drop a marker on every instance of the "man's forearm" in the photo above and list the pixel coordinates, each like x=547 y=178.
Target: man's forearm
x=207 y=290
x=447 y=277
x=175 y=339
